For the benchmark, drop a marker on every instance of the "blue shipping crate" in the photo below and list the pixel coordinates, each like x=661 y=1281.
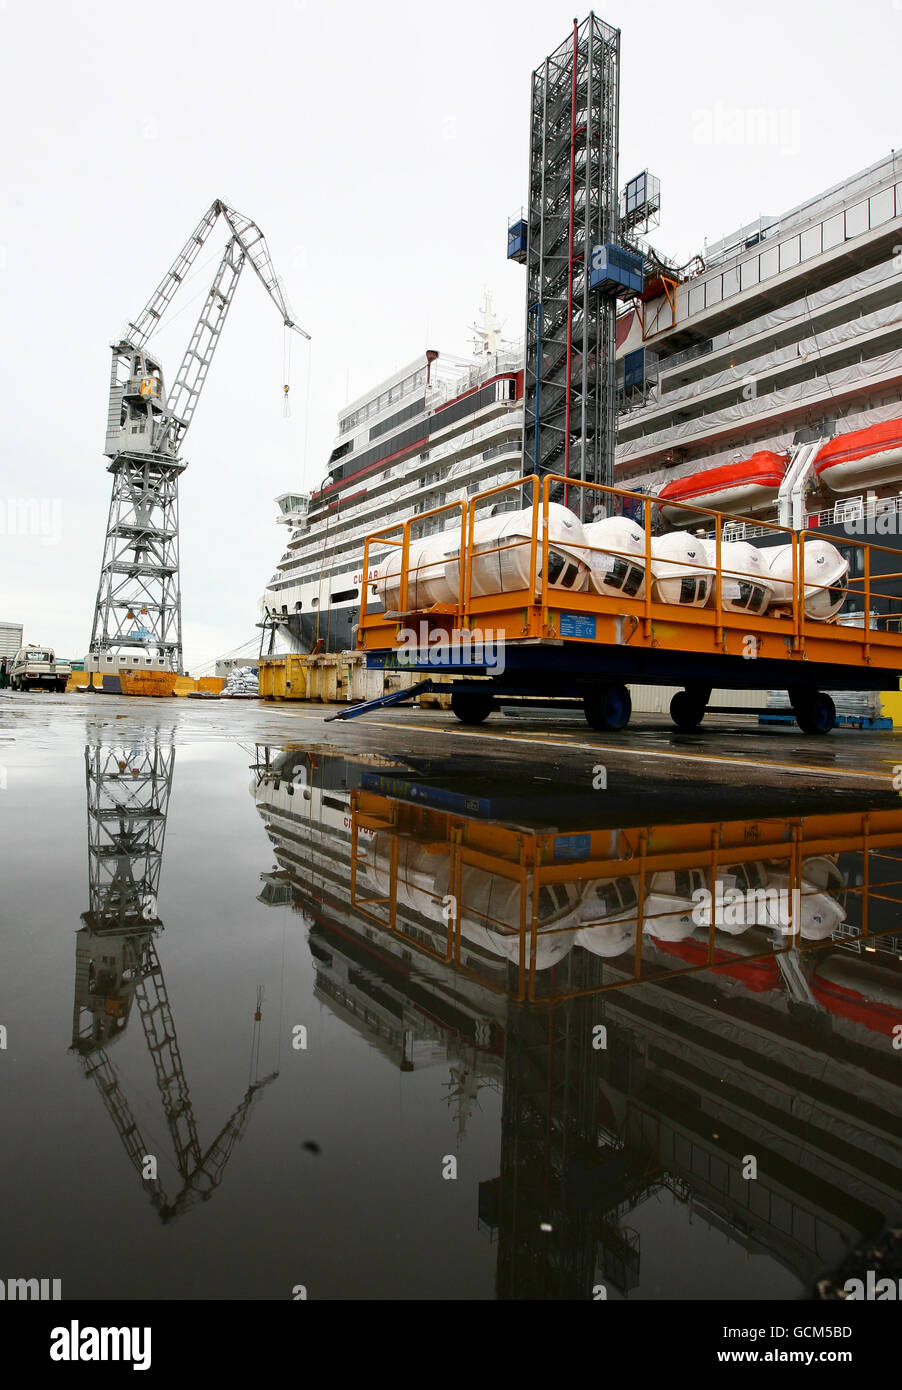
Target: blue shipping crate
x=516 y=241
x=614 y=268
x=634 y=369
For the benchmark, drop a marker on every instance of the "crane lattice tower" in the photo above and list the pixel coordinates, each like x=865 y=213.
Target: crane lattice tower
x=138 y=598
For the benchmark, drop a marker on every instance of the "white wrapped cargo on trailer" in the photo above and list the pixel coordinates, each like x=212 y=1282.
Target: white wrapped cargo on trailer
x=826 y=577
x=746 y=585
x=617 y=556
x=679 y=569
x=501 y=553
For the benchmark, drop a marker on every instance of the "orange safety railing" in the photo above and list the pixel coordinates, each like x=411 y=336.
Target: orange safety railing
x=404 y=576
x=539 y=592
x=539 y=899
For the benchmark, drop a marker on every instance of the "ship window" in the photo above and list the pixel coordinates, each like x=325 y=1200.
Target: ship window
x=811 y=242
x=731 y=282
x=882 y=207
x=344 y=594
x=857 y=220
x=834 y=231
x=789 y=253
x=749 y=272
x=770 y=262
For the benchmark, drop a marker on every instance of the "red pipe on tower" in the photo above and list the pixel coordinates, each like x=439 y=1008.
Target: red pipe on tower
x=570 y=259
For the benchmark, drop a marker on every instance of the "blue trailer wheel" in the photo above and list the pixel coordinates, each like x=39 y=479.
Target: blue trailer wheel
x=815 y=712
x=608 y=709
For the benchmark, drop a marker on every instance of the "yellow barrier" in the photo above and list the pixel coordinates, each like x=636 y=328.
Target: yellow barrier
x=891 y=706
x=334 y=678
x=184 y=685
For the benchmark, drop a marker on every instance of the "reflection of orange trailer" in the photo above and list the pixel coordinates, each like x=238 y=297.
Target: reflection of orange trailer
x=539 y=875
x=560 y=639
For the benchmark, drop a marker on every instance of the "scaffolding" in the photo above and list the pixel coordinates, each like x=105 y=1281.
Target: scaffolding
x=570 y=403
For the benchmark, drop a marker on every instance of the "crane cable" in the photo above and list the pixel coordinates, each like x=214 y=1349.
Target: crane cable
x=286 y=367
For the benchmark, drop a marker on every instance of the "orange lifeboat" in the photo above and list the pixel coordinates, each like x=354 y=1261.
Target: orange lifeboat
x=736 y=488
x=863 y=458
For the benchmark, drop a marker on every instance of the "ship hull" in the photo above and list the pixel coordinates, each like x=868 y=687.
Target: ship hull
x=336 y=627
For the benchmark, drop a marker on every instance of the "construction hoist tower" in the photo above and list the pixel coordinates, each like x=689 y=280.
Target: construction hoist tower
x=568 y=238
x=138 y=605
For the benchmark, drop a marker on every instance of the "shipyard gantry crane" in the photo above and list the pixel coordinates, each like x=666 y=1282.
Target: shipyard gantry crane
x=116 y=966
x=138 y=606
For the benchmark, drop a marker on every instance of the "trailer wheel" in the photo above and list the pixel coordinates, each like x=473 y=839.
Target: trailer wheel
x=609 y=709
x=686 y=711
x=471 y=707
x=815 y=712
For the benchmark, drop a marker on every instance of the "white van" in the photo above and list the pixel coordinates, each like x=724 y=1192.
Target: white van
x=36 y=667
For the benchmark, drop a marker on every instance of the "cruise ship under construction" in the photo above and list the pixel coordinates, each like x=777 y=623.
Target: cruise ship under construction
x=786 y=334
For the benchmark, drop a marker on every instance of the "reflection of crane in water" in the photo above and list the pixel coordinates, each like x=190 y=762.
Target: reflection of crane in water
x=116 y=964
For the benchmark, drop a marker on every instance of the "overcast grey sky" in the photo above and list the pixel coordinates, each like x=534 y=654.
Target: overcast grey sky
x=380 y=147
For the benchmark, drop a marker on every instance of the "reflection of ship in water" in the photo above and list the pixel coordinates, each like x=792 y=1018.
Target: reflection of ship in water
x=449 y=923
x=116 y=966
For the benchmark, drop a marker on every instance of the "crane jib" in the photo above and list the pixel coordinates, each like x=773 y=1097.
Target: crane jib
x=146 y=428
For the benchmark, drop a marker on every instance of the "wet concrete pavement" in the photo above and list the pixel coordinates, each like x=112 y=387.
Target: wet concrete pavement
x=422 y=1109
x=726 y=750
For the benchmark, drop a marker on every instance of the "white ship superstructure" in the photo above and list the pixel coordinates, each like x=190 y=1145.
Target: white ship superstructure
x=441 y=429
x=789 y=331
x=786 y=333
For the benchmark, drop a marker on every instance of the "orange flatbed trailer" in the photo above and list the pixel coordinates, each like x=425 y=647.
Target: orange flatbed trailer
x=584 y=645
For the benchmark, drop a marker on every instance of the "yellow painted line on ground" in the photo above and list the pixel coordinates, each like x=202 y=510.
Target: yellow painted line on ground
x=544 y=742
